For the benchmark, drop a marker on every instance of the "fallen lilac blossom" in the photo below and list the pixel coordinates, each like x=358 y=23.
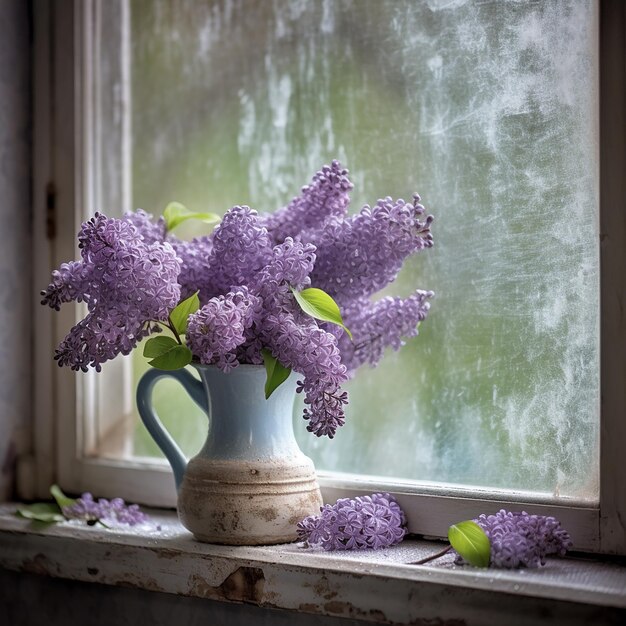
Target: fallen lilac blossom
x=519 y=539
x=373 y=522
x=109 y=512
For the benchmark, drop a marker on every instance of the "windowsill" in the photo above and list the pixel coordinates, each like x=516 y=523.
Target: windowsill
x=376 y=586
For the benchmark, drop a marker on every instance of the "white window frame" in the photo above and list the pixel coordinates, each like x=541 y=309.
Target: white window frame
x=63 y=148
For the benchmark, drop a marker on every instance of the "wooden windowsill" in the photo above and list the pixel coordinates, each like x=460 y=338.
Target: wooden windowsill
x=378 y=586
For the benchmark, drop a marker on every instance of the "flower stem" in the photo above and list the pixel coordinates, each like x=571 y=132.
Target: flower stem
x=432 y=557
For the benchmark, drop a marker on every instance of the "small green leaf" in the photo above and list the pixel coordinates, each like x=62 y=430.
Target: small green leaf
x=156 y=346
x=47 y=512
x=175 y=358
x=320 y=305
x=471 y=542
x=277 y=373
x=181 y=313
x=61 y=499
x=176 y=213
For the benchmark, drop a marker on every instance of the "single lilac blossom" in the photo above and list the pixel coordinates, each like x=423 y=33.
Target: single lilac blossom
x=359 y=255
x=375 y=521
x=289 y=265
x=218 y=328
x=304 y=347
x=378 y=325
x=114 y=511
x=520 y=539
x=326 y=196
x=127 y=286
x=194 y=267
x=241 y=248
x=151 y=232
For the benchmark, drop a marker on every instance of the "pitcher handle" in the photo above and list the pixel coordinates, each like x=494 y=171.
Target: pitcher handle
x=152 y=422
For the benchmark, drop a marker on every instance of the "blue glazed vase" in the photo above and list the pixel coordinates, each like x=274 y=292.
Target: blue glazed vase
x=250 y=484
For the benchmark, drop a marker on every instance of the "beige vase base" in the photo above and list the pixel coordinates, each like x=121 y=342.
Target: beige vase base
x=247 y=502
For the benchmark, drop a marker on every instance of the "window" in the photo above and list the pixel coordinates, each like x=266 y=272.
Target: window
x=491 y=113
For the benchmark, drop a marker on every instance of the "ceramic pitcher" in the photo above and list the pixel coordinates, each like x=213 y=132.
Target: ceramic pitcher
x=250 y=484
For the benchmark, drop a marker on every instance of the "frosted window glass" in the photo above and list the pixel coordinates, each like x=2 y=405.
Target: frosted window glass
x=489 y=110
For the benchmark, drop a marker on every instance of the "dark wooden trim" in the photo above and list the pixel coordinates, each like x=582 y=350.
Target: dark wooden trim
x=613 y=275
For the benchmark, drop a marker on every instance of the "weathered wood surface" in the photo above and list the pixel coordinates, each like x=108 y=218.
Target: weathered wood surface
x=375 y=586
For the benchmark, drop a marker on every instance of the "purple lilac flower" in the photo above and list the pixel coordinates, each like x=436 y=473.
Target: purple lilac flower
x=150 y=231
x=519 y=539
x=109 y=511
x=127 y=285
x=219 y=334
x=296 y=339
x=290 y=266
x=218 y=328
x=195 y=266
x=194 y=254
x=375 y=326
x=241 y=248
x=375 y=521
x=359 y=255
x=311 y=351
x=132 y=274
x=69 y=282
x=326 y=196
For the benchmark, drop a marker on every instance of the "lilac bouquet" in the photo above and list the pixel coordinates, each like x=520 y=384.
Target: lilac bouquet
x=278 y=289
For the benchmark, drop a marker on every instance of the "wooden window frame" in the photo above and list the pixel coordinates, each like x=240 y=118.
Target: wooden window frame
x=63 y=148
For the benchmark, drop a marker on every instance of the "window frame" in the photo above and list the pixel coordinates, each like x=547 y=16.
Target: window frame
x=63 y=112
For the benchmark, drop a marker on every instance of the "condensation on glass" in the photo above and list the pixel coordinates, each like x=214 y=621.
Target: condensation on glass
x=489 y=111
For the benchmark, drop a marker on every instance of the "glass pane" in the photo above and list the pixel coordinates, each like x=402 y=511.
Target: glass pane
x=489 y=110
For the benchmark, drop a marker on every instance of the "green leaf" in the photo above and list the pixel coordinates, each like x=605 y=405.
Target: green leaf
x=61 y=499
x=175 y=358
x=176 y=213
x=471 y=542
x=277 y=373
x=181 y=313
x=47 y=512
x=320 y=305
x=156 y=346
x=166 y=353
